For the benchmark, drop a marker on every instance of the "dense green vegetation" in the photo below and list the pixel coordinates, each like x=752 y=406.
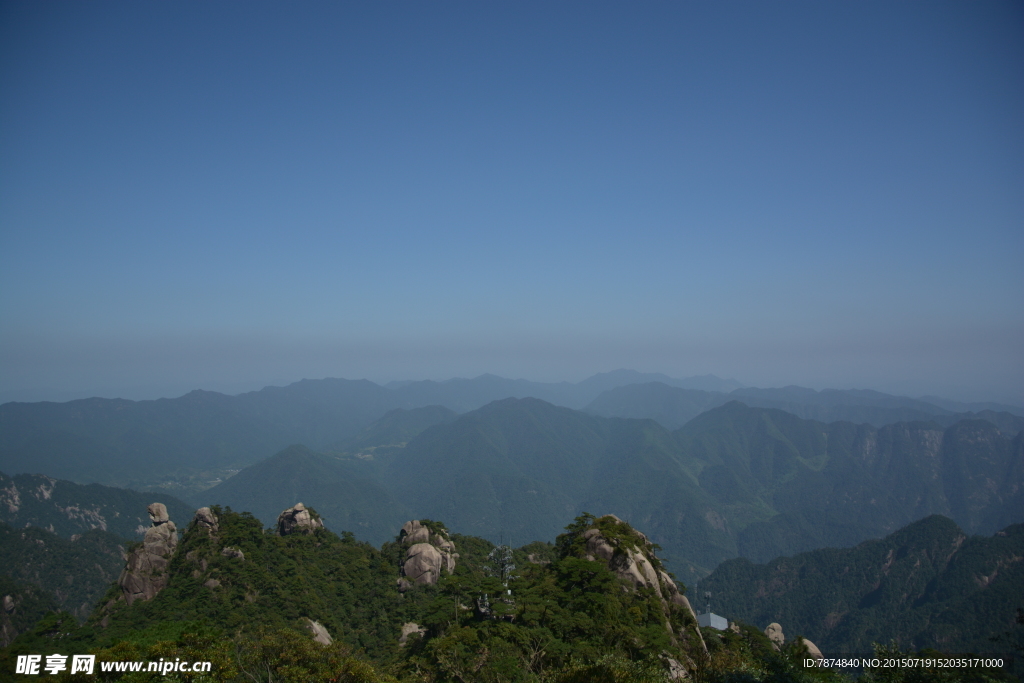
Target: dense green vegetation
x=736 y=481
x=343 y=491
x=28 y=604
x=73 y=573
x=565 y=619
x=926 y=586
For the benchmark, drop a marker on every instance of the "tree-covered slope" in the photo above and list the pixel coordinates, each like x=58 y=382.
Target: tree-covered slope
x=24 y=603
x=580 y=616
x=790 y=485
x=522 y=469
x=595 y=607
x=66 y=508
x=75 y=573
x=926 y=585
x=344 y=492
x=274 y=583
x=735 y=481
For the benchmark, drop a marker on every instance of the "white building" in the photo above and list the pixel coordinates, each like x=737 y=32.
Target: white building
x=712 y=620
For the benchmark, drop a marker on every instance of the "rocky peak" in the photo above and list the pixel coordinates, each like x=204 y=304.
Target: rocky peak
x=207 y=521
x=631 y=556
x=145 y=573
x=298 y=520
x=428 y=550
x=157 y=513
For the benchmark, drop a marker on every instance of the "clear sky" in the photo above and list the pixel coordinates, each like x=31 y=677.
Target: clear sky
x=229 y=194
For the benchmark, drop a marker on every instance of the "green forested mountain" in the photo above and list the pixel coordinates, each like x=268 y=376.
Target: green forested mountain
x=596 y=606
x=245 y=599
x=345 y=492
x=25 y=604
x=66 y=508
x=928 y=585
x=74 y=573
x=734 y=481
x=789 y=485
x=187 y=444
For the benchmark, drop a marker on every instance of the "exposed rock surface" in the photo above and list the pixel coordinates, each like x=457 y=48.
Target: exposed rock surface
x=812 y=649
x=774 y=633
x=629 y=564
x=7 y=630
x=629 y=554
x=233 y=553
x=427 y=554
x=145 y=574
x=408 y=629
x=298 y=520
x=206 y=520
x=676 y=671
x=157 y=513
x=318 y=631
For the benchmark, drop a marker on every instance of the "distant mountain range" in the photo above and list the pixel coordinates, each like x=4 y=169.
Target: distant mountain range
x=928 y=585
x=736 y=481
x=673 y=406
x=187 y=444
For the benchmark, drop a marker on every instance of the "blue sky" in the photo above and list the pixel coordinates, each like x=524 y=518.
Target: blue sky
x=226 y=195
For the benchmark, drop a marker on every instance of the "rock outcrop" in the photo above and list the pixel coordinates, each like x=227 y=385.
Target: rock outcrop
x=298 y=520
x=206 y=521
x=628 y=563
x=629 y=554
x=812 y=649
x=318 y=631
x=426 y=555
x=145 y=574
x=409 y=628
x=774 y=633
x=233 y=553
x=7 y=631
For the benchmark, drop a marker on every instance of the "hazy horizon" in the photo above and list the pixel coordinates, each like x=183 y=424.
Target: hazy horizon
x=225 y=196
x=145 y=393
